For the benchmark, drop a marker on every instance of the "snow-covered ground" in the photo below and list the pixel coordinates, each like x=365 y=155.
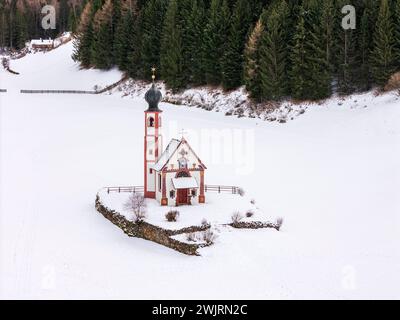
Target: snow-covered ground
x=54 y=70
x=333 y=175
x=217 y=210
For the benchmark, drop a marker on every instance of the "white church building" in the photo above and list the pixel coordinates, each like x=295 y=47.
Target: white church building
x=174 y=176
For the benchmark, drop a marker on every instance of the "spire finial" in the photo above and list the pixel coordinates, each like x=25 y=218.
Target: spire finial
x=153 y=70
x=182 y=133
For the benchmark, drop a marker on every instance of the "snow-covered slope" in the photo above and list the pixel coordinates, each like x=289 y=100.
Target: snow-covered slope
x=333 y=175
x=54 y=70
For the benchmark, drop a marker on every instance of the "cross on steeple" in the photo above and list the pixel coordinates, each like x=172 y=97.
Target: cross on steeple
x=182 y=133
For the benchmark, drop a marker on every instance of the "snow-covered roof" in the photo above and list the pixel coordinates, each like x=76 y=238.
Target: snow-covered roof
x=42 y=41
x=184 y=183
x=166 y=155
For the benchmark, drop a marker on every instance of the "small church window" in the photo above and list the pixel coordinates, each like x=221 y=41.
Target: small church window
x=194 y=192
x=151 y=152
x=151 y=122
x=182 y=163
x=172 y=194
x=159 y=121
x=151 y=171
x=159 y=182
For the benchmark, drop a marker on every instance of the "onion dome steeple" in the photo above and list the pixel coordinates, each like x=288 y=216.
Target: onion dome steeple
x=153 y=95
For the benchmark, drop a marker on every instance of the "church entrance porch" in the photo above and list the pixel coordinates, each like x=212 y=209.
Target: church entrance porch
x=182 y=197
x=184 y=184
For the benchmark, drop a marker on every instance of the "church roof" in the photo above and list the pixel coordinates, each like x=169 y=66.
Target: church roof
x=169 y=152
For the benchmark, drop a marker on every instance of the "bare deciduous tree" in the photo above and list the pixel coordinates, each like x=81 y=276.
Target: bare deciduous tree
x=137 y=205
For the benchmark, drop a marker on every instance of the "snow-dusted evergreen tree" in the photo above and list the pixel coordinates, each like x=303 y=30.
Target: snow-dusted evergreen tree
x=83 y=37
x=215 y=37
x=171 y=48
x=102 y=46
x=274 y=53
x=233 y=60
x=252 y=62
x=383 y=53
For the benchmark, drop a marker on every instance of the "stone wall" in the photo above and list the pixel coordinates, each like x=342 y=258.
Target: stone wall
x=255 y=225
x=150 y=232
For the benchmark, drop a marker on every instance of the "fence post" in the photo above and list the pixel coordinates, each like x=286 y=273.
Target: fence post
x=219 y=189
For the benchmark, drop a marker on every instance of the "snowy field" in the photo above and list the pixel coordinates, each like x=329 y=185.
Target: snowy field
x=217 y=210
x=333 y=175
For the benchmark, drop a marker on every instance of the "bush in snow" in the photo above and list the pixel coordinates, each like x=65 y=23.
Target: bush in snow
x=249 y=213
x=209 y=236
x=172 y=216
x=191 y=237
x=236 y=217
x=252 y=201
x=279 y=223
x=241 y=192
x=137 y=205
x=204 y=222
x=6 y=63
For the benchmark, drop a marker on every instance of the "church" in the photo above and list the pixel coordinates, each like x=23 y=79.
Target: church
x=175 y=176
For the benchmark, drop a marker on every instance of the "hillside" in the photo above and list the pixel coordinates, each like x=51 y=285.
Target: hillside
x=332 y=174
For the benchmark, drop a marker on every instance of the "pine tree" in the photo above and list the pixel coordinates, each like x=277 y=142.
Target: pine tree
x=347 y=57
x=102 y=47
x=171 y=48
x=363 y=81
x=84 y=37
x=299 y=67
x=194 y=43
x=383 y=53
x=150 y=34
x=274 y=53
x=232 y=63
x=396 y=19
x=252 y=62
x=125 y=35
x=215 y=36
x=183 y=23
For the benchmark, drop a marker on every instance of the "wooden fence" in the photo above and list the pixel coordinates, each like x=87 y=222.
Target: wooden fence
x=108 y=88
x=222 y=189
x=208 y=188
x=136 y=189
x=60 y=91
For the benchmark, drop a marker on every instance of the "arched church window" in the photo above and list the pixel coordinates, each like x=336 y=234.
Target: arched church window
x=151 y=122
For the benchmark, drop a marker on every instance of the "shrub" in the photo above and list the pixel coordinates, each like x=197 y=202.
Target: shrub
x=137 y=205
x=241 y=192
x=252 y=201
x=172 y=216
x=209 y=236
x=393 y=83
x=204 y=222
x=236 y=217
x=279 y=223
x=249 y=213
x=191 y=237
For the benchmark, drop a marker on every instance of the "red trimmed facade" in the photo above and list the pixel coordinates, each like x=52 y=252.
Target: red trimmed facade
x=152 y=150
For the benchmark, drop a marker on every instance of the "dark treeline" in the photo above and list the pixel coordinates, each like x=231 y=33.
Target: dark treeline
x=276 y=48
x=20 y=20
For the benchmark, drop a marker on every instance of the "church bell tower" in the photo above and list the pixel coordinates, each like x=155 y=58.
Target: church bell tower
x=152 y=138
